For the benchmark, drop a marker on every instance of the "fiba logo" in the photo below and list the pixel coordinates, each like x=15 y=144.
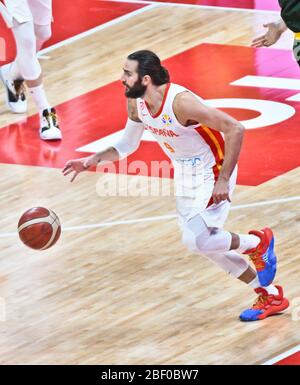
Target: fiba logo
x=166 y=119
x=2 y=310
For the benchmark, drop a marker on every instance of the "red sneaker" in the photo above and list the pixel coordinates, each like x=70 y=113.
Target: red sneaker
x=263 y=256
x=265 y=305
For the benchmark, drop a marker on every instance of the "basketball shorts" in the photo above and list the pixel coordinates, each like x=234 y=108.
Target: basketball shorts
x=38 y=11
x=194 y=186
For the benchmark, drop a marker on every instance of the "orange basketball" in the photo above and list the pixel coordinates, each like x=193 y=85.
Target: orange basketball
x=39 y=228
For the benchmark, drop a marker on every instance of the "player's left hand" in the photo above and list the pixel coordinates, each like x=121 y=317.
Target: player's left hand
x=221 y=191
x=270 y=37
x=76 y=166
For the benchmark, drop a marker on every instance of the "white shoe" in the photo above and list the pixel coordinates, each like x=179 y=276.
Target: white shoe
x=15 y=91
x=49 y=129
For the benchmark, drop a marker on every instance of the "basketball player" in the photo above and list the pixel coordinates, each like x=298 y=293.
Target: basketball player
x=290 y=19
x=30 y=21
x=204 y=178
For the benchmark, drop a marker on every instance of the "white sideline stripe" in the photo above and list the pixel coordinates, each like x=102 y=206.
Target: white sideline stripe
x=282 y=356
x=162 y=217
x=265 y=203
x=197 y=6
x=149 y=5
x=268 y=82
x=294 y=98
x=102 y=144
x=125 y=222
x=96 y=29
x=42 y=57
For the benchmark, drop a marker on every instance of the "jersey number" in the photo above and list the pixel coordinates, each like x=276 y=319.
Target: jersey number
x=170 y=148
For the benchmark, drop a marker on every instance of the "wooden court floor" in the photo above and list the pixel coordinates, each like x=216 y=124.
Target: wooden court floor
x=129 y=292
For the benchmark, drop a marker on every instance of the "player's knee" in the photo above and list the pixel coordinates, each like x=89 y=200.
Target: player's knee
x=43 y=32
x=189 y=240
x=195 y=235
x=28 y=45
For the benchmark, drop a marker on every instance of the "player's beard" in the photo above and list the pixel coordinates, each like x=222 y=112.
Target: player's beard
x=136 y=91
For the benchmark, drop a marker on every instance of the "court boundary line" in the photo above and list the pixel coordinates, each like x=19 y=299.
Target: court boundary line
x=148 y=6
x=282 y=356
x=184 y=5
x=161 y=217
x=91 y=31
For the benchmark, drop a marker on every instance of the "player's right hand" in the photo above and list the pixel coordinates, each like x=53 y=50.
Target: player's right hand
x=76 y=166
x=270 y=37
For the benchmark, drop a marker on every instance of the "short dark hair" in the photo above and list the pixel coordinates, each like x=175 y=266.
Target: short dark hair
x=149 y=64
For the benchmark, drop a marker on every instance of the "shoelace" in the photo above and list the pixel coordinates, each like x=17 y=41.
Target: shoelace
x=260 y=302
x=54 y=118
x=47 y=117
x=20 y=89
x=256 y=259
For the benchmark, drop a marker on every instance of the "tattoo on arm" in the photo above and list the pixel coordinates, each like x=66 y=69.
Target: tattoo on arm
x=132 y=110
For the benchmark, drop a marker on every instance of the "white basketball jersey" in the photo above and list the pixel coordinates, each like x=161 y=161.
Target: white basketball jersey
x=40 y=11
x=178 y=141
x=197 y=153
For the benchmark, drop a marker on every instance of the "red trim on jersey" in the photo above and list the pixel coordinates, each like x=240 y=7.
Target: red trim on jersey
x=162 y=104
x=208 y=139
x=218 y=157
x=220 y=140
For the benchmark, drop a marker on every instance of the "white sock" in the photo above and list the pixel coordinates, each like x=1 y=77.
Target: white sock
x=271 y=289
x=247 y=242
x=254 y=283
x=39 y=97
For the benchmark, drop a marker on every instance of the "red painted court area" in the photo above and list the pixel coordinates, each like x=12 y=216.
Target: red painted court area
x=82 y=16
x=270 y=5
x=290 y=357
x=293 y=359
x=267 y=151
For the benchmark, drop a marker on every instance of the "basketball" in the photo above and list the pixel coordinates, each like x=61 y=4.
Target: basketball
x=39 y=228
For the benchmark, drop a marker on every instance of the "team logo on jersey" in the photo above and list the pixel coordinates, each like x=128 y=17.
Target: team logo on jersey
x=142 y=105
x=166 y=119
